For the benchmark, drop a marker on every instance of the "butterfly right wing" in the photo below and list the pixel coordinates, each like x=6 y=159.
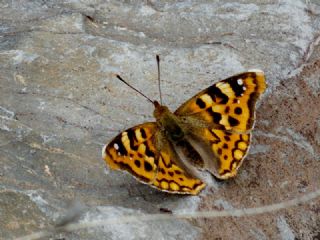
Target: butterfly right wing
x=222 y=117
x=148 y=157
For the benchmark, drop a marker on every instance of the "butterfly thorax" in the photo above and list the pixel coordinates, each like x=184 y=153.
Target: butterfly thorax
x=168 y=122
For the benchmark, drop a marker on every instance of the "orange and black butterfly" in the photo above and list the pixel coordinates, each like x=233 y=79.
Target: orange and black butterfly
x=211 y=131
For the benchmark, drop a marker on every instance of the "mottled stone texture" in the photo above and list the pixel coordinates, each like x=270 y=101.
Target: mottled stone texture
x=60 y=102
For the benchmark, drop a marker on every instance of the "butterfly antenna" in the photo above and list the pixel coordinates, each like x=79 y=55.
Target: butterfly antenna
x=158 y=64
x=121 y=79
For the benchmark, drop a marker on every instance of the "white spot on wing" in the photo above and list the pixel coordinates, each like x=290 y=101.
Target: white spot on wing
x=239 y=81
x=244 y=88
x=116 y=146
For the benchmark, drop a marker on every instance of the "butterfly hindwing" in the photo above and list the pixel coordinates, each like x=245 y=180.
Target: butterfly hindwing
x=139 y=152
x=228 y=150
x=228 y=104
x=172 y=177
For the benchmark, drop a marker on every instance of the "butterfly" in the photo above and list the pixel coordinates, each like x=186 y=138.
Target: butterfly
x=211 y=131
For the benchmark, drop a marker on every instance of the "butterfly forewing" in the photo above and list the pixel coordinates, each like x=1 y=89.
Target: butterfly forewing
x=228 y=104
x=133 y=150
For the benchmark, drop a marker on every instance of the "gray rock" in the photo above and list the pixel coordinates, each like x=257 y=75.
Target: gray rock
x=60 y=103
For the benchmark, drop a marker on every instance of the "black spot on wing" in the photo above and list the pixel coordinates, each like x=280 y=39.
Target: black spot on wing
x=143 y=133
x=233 y=122
x=238 y=110
x=219 y=151
x=200 y=103
x=137 y=163
x=238 y=90
x=132 y=139
x=217 y=95
x=147 y=166
x=131 y=135
x=148 y=152
x=216 y=116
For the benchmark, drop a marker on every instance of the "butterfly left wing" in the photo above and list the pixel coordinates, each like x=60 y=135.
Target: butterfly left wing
x=220 y=118
x=148 y=156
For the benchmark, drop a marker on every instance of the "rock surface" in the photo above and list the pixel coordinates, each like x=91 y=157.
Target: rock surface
x=60 y=103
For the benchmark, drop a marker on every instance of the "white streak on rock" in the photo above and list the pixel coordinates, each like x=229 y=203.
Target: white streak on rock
x=146 y=11
x=20 y=56
x=6 y=113
x=284 y=229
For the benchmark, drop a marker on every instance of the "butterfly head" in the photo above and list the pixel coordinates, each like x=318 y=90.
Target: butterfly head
x=159 y=110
